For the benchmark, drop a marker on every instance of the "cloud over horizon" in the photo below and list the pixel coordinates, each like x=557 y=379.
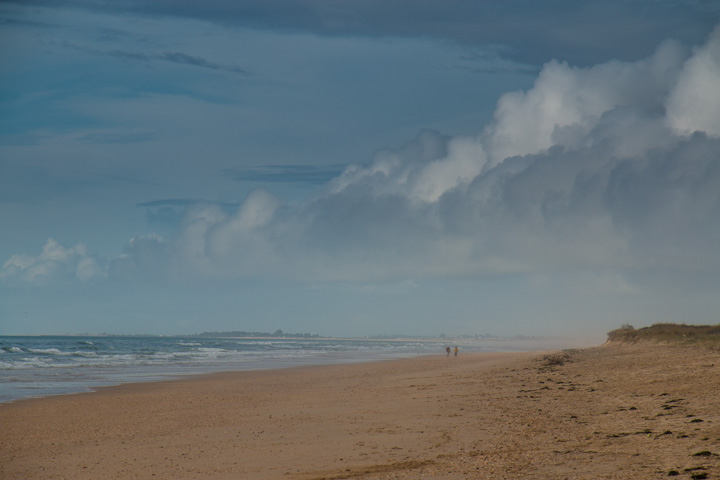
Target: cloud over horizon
x=54 y=264
x=611 y=167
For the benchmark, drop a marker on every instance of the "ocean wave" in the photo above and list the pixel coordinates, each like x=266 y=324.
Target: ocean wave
x=47 y=351
x=12 y=350
x=81 y=353
x=26 y=363
x=55 y=351
x=210 y=350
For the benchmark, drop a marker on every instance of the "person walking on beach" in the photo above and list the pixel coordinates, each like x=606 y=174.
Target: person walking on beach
x=456 y=351
x=448 y=351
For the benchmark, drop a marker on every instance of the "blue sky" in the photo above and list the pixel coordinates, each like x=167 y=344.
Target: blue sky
x=350 y=167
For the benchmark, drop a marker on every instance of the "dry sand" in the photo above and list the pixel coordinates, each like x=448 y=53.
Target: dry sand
x=616 y=411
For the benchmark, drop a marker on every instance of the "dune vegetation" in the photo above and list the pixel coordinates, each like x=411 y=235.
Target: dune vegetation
x=704 y=335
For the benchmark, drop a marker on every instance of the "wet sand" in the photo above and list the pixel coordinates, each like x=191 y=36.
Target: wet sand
x=616 y=411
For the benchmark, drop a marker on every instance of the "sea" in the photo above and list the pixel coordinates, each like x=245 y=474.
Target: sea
x=38 y=366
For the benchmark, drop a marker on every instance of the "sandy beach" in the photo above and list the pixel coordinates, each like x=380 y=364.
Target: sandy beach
x=615 y=411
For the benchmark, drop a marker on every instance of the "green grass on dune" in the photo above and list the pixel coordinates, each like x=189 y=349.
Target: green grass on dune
x=704 y=335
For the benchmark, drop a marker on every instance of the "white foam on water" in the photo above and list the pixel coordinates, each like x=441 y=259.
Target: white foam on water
x=48 y=351
x=12 y=350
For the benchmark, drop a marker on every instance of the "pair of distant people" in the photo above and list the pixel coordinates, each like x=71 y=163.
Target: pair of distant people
x=448 y=351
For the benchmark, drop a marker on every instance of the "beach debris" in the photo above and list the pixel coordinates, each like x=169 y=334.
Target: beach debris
x=704 y=453
x=558 y=359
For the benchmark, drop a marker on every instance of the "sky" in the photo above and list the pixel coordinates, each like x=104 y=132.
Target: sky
x=358 y=167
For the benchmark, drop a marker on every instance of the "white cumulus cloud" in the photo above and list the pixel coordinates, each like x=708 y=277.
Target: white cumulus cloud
x=591 y=168
x=54 y=262
x=613 y=167
x=694 y=103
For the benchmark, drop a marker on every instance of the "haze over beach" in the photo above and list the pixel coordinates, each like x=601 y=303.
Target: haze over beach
x=353 y=168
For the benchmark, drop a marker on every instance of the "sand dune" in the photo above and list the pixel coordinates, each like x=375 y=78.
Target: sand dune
x=616 y=411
